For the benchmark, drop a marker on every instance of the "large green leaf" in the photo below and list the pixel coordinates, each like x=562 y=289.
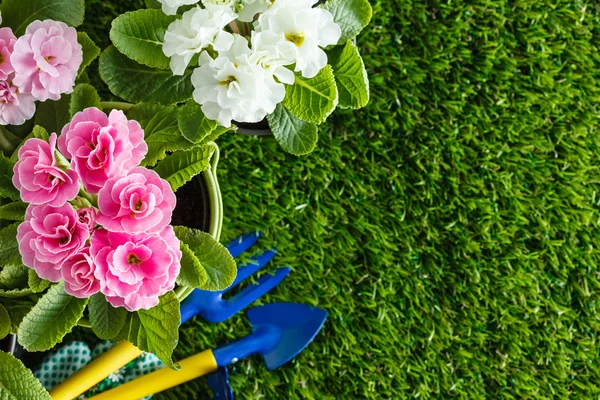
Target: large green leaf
x=36 y=284
x=18 y=14
x=37 y=132
x=351 y=15
x=13 y=211
x=17 y=381
x=14 y=277
x=195 y=126
x=160 y=130
x=53 y=115
x=140 y=36
x=135 y=82
x=350 y=76
x=155 y=330
x=216 y=260
x=312 y=100
x=192 y=272
x=107 y=321
x=50 y=319
x=294 y=135
x=179 y=168
x=4 y=322
x=9 y=247
x=83 y=96
x=7 y=189
x=90 y=50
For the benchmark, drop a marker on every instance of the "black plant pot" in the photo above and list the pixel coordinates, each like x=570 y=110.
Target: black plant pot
x=9 y=344
x=255 y=129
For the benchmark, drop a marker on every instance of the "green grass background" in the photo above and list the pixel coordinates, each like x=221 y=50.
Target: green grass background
x=451 y=228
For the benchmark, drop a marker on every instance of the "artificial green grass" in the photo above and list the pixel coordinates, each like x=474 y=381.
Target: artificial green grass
x=451 y=228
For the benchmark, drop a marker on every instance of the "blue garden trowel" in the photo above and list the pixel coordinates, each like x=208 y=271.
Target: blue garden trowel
x=279 y=332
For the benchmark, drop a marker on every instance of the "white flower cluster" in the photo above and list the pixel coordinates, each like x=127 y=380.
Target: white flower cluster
x=246 y=49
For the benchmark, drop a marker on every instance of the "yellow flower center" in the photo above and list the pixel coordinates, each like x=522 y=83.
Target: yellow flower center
x=296 y=38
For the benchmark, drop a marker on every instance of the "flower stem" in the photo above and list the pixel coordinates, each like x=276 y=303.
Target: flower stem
x=117 y=105
x=93 y=199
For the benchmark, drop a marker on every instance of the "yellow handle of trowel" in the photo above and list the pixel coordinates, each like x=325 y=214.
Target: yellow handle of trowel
x=162 y=379
x=101 y=367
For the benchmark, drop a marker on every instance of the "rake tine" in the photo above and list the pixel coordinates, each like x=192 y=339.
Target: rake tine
x=255 y=263
x=242 y=243
x=247 y=296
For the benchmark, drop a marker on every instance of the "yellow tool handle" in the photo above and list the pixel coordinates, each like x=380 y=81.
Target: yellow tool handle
x=101 y=367
x=162 y=379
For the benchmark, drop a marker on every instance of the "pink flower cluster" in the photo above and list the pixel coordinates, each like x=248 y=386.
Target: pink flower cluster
x=124 y=247
x=40 y=65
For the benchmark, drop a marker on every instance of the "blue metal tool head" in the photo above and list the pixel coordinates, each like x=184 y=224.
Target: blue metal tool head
x=279 y=332
x=297 y=325
x=219 y=383
x=213 y=306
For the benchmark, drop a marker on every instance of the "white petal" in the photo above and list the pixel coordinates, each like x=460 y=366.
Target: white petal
x=223 y=41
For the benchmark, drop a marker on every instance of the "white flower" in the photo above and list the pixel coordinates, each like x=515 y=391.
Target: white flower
x=231 y=88
x=215 y=4
x=196 y=30
x=250 y=8
x=170 y=7
x=272 y=52
x=307 y=28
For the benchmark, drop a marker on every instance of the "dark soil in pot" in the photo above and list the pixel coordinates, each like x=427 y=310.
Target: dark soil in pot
x=193 y=205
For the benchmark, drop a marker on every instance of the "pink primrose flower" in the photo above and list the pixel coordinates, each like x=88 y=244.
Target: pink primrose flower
x=39 y=177
x=46 y=59
x=102 y=147
x=135 y=270
x=141 y=202
x=48 y=237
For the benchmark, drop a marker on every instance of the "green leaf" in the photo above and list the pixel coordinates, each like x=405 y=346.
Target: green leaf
x=37 y=284
x=179 y=168
x=4 y=322
x=136 y=82
x=312 y=100
x=195 y=126
x=107 y=321
x=90 y=51
x=14 y=277
x=17 y=309
x=8 y=141
x=213 y=257
x=83 y=96
x=161 y=132
x=17 y=381
x=18 y=14
x=7 y=189
x=37 y=132
x=350 y=76
x=9 y=247
x=192 y=272
x=351 y=15
x=50 y=319
x=15 y=293
x=294 y=135
x=13 y=211
x=140 y=36
x=155 y=330
x=152 y=4
x=53 y=115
